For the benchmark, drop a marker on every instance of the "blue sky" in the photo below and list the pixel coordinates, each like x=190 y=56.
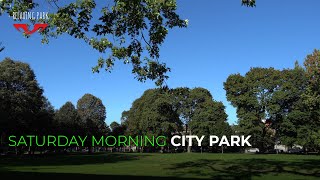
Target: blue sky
x=222 y=38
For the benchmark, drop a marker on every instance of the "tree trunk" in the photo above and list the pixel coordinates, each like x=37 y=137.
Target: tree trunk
x=189 y=147
x=142 y=147
x=222 y=149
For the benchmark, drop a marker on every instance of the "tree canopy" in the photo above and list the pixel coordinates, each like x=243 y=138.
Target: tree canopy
x=92 y=114
x=152 y=114
x=129 y=31
x=278 y=106
x=176 y=111
x=21 y=97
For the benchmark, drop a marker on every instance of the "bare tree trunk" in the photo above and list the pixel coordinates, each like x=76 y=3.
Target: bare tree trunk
x=222 y=149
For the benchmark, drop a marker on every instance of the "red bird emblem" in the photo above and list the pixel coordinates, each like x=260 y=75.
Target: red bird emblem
x=36 y=27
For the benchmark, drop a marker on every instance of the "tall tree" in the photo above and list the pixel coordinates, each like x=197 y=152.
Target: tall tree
x=117 y=130
x=312 y=65
x=68 y=120
x=152 y=114
x=21 y=97
x=43 y=124
x=311 y=100
x=92 y=114
x=269 y=104
x=182 y=103
x=196 y=109
x=251 y=95
x=114 y=125
x=210 y=118
x=288 y=111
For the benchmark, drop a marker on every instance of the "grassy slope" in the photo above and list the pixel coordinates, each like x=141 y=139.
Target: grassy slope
x=217 y=166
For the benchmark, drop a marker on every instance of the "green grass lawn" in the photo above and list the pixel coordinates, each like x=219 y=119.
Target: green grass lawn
x=162 y=166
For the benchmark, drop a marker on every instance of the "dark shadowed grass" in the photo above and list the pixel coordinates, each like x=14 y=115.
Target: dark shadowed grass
x=161 y=166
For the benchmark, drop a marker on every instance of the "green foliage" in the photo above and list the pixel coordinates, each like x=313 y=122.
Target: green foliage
x=152 y=114
x=21 y=97
x=117 y=129
x=312 y=65
x=181 y=102
x=269 y=94
x=250 y=95
x=129 y=31
x=205 y=113
x=92 y=114
x=249 y=3
x=200 y=114
x=11 y=6
x=287 y=99
x=68 y=121
x=311 y=101
x=67 y=114
x=164 y=112
x=114 y=125
x=44 y=122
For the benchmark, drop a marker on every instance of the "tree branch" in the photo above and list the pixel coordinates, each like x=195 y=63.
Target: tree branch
x=145 y=39
x=1 y=47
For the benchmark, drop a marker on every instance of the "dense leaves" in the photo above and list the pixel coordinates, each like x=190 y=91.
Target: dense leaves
x=249 y=3
x=176 y=111
x=152 y=114
x=92 y=114
x=68 y=120
x=21 y=97
x=278 y=106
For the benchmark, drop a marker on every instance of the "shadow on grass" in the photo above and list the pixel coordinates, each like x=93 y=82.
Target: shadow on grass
x=247 y=168
x=29 y=175
x=57 y=160
x=61 y=160
x=238 y=168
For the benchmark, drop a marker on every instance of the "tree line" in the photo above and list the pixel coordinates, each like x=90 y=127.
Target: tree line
x=279 y=106
x=273 y=106
x=24 y=110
